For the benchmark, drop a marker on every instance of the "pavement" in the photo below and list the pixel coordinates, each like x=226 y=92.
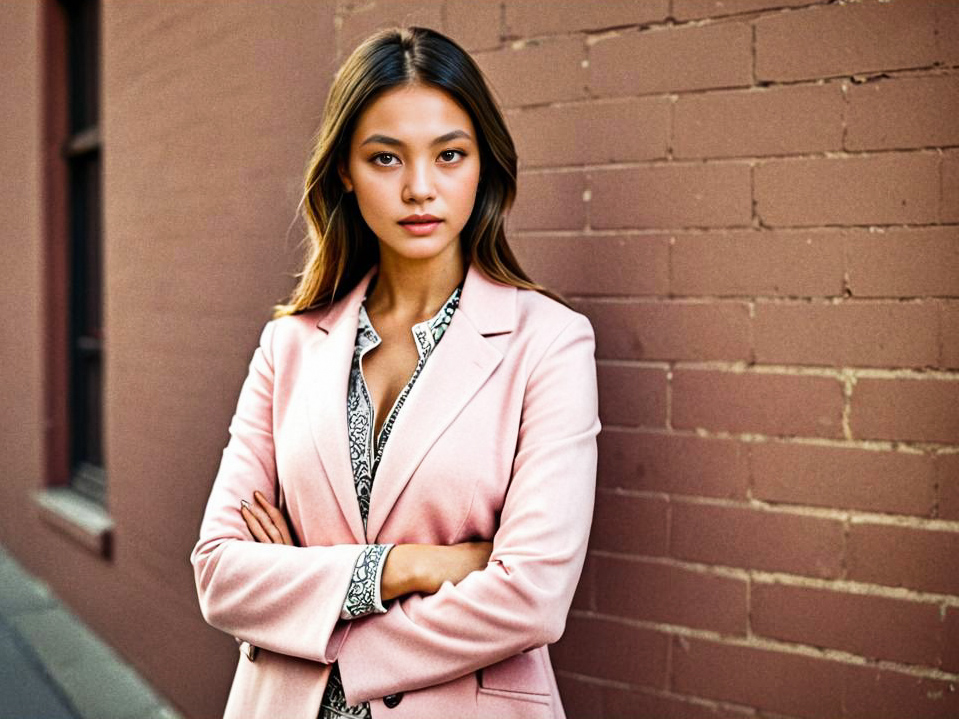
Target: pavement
x=52 y=666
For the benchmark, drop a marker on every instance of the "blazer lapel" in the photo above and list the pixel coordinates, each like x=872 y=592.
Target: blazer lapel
x=329 y=357
x=459 y=365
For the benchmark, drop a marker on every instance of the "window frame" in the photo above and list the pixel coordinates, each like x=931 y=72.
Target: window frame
x=74 y=496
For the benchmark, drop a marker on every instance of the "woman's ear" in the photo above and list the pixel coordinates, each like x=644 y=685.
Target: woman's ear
x=344 y=174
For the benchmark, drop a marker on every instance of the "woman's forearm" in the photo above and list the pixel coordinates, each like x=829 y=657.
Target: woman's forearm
x=424 y=567
x=399 y=572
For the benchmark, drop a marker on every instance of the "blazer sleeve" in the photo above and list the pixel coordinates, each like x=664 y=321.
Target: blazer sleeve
x=521 y=598
x=282 y=598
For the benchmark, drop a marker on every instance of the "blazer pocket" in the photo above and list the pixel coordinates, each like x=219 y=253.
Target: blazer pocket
x=523 y=676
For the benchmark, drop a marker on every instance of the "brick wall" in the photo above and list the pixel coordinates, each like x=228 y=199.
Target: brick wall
x=756 y=203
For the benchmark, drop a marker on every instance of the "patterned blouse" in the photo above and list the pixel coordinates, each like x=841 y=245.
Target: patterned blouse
x=363 y=594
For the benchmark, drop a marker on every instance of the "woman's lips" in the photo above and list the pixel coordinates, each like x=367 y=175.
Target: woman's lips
x=421 y=228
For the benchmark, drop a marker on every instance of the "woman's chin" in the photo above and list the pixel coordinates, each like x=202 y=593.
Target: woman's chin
x=419 y=248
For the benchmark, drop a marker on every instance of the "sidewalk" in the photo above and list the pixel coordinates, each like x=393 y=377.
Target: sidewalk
x=53 y=667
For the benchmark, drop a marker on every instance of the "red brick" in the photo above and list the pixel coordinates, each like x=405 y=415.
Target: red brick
x=949 y=210
x=612 y=651
x=695 y=9
x=903 y=113
x=950 y=640
x=850 y=333
x=629 y=525
x=670 y=329
x=773 y=121
x=870 y=626
x=947 y=480
x=549 y=201
x=619 y=703
x=895 y=556
x=654 y=592
x=673 y=463
x=586 y=265
x=641 y=63
x=581 y=700
x=632 y=396
x=905 y=409
x=914 y=262
x=871 y=693
x=531 y=17
x=774 y=404
x=362 y=21
x=949 y=334
x=804 y=263
x=756 y=539
x=671 y=196
x=474 y=25
x=845 y=39
x=891 y=188
x=591 y=133
x=538 y=72
x=947 y=36
x=772 y=680
x=843 y=477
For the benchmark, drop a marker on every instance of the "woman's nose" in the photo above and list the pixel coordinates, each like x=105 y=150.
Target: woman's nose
x=419 y=182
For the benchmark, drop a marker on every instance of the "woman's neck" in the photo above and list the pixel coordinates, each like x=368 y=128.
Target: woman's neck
x=415 y=289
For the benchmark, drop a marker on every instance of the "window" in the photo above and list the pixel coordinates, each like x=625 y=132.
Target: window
x=75 y=257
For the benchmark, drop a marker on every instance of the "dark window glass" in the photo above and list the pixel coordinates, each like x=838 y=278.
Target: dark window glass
x=83 y=155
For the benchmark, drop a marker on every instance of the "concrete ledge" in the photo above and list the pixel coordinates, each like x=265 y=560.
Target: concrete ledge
x=60 y=661
x=81 y=519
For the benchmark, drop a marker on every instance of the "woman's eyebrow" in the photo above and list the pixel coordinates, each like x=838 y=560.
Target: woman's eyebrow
x=386 y=140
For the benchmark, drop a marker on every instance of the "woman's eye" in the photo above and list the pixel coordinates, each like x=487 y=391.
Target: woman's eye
x=381 y=155
x=450 y=155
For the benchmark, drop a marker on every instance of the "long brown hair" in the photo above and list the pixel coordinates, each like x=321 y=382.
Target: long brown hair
x=342 y=248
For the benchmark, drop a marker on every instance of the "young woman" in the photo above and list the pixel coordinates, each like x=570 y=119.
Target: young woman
x=400 y=517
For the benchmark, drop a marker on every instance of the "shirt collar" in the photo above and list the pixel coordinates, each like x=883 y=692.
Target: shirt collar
x=426 y=333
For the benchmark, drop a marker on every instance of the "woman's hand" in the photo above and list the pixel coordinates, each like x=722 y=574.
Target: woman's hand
x=265 y=522
x=424 y=567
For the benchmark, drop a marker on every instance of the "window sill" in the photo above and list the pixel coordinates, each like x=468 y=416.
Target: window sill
x=81 y=519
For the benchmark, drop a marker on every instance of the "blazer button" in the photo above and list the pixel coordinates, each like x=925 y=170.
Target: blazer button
x=391 y=700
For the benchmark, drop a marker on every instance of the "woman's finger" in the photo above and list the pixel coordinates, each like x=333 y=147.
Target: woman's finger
x=266 y=523
x=252 y=523
x=276 y=516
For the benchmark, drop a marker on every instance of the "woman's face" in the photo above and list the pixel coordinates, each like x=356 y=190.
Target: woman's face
x=414 y=152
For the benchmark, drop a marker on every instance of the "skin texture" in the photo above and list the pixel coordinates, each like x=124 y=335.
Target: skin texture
x=416 y=177
x=416 y=275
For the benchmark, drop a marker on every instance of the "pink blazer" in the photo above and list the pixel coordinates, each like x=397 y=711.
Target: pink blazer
x=496 y=441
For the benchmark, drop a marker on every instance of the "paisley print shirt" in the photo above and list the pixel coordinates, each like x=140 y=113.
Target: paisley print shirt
x=363 y=594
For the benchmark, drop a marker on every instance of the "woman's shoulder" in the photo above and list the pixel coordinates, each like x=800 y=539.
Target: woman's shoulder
x=540 y=315
x=291 y=329
x=543 y=310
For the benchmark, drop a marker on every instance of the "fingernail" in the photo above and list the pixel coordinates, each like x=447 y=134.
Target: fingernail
x=244 y=503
